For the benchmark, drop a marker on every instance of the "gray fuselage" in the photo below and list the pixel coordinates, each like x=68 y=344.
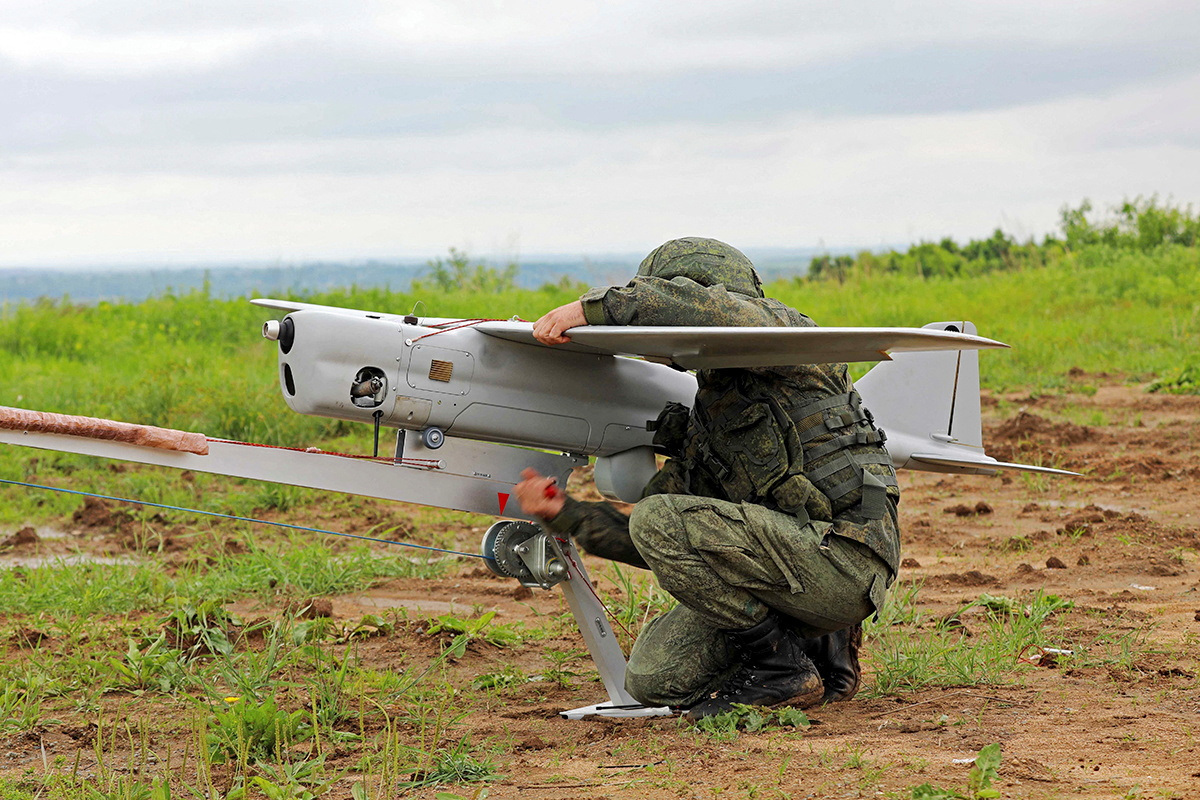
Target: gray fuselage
x=470 y=384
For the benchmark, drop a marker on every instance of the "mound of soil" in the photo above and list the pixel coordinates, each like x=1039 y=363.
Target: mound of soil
x=22 y=538
x=1030 y=426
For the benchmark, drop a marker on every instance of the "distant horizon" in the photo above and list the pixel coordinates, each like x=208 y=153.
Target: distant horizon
x=138 y=281
x=168 y=262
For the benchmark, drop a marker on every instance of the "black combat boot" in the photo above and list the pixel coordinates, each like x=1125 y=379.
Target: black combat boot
x=774 y=672
x=835 y=655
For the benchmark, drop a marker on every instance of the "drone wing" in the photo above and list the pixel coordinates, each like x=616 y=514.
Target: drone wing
x=717 y=347
x=294 y=305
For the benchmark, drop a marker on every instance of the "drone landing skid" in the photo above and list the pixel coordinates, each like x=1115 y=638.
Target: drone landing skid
x=524 y=551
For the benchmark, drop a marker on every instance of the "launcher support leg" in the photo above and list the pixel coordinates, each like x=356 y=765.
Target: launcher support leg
x=602 y=643
x=538 y=559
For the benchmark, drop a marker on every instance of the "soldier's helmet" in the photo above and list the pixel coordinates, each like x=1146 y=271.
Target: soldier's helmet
x=706 y=261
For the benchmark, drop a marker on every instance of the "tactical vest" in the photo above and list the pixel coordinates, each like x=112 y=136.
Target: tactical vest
x=815 y=458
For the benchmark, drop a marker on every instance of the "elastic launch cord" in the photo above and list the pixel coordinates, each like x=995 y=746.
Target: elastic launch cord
x=457 y=325
x=236 y=518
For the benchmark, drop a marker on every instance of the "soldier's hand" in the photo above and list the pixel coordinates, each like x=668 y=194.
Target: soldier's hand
x=549 y=329
x=538 y=495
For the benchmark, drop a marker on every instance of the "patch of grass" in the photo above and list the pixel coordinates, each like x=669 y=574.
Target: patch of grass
x=751 y=719
x=18 y=790
x=84 y=590
x=303 y=570
x=1124 y=651
x=900 y=608
x=907 y=658
x=559 y=659
x=640 y=598
x=1050 y=332
x=299 y=780
x=20 y=709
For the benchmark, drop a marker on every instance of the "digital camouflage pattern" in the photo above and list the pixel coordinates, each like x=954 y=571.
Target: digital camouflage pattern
x=777 y=493
x=708 y=262
x=728 y=563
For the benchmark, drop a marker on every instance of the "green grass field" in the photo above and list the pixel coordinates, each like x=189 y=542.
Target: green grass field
x=148 y=654
x=196 y=363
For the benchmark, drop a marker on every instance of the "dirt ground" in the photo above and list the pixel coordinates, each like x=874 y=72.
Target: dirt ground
x=1121 y=542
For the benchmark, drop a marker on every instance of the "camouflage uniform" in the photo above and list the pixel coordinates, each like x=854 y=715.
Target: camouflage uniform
x=777 y=494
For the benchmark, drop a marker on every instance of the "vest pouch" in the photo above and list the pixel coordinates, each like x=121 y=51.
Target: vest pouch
x=798 y=495
x=846 y=480
x=670 y=429
x=751 y=453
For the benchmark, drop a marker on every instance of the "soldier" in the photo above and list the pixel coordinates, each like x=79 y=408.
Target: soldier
x=773 y=520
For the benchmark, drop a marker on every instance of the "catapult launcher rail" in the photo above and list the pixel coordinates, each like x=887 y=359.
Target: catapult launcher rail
x=463 y=475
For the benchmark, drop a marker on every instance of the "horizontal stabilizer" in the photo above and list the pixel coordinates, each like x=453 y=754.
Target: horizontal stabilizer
x=983 y=463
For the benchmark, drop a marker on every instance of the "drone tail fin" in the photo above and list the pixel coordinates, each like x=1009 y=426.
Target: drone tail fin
x=928 y=403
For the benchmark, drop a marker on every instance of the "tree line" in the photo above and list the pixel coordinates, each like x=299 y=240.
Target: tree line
x=1142 y=225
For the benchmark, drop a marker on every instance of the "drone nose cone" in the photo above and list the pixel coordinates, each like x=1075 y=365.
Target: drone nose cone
x=283 y=332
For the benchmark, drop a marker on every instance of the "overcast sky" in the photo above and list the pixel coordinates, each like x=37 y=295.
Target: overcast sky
x=141 y=130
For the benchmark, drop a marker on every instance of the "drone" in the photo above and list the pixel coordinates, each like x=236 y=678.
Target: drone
x=472 y=403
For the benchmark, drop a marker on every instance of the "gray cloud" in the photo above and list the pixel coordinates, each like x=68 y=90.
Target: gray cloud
x=526 y=116
x=293 y=91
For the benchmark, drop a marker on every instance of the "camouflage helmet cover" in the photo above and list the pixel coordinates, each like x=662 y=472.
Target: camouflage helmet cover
x=708 y=262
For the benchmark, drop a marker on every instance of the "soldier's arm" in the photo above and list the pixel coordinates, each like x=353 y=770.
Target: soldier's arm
x=598 y=528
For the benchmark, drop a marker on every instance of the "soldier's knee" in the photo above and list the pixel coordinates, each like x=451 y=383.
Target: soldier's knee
x=654 y=524
x=666 y=685
x=649 y=690
x=662 y=690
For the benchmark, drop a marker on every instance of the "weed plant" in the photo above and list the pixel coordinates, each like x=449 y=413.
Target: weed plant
x=751 y=719
x=250 y=731
x=984 y=772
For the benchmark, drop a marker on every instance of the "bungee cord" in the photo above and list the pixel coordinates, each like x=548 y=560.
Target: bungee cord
x=236 y=518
